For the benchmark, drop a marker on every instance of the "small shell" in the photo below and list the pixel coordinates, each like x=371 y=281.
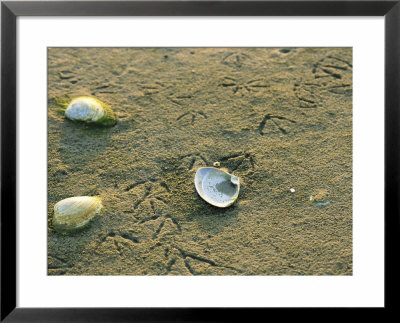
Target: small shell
x=320 y=198
x=90 y=110
x=217 y=187
x=74 y=213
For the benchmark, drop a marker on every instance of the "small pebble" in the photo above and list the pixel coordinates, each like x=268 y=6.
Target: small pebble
x=292 y=190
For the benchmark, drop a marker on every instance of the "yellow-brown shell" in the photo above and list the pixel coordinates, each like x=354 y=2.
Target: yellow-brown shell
x=74 y=213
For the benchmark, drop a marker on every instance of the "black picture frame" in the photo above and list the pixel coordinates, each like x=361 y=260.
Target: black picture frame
x=10 y=10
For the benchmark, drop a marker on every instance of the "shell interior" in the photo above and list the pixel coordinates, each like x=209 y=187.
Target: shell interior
x=217 y=187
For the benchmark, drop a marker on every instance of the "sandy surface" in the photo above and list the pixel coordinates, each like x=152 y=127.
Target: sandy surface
x=277 y=118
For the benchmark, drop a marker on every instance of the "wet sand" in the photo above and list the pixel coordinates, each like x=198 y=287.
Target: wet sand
x=278 y=118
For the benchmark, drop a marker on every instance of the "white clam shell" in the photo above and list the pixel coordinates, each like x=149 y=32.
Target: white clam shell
x=90 y=110
x=74 y=213
x=217 y=187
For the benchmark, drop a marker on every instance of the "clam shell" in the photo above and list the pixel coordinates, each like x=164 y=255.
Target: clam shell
x=217 y=187
x=90 y=110
x=74 y=213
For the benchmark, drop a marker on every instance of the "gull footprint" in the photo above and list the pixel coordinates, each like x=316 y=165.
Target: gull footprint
x=239 y=162
x=187 y=99
x=158 y=227
x=345 y=89
x=68 y=76
x=180 y=99
x=310 y=95
x=191 y=116
x=152 y=198
x=105 y=89
x=331 y=67
x=151 y=88
x=116 y=242
x=272 y=120
x=307 y=95
x=241 y=86
x=190 y=259
x=168 y=226
x=194 y=161
x=331 y=74
x=235 y=59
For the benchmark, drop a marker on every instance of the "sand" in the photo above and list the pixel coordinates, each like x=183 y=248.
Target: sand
x=278 y=118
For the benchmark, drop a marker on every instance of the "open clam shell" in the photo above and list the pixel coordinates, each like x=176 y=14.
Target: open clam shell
x=74 y=213
x=217 y=187
x=90 y=110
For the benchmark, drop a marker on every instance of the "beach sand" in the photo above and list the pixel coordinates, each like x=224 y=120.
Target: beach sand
x=278 y=118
